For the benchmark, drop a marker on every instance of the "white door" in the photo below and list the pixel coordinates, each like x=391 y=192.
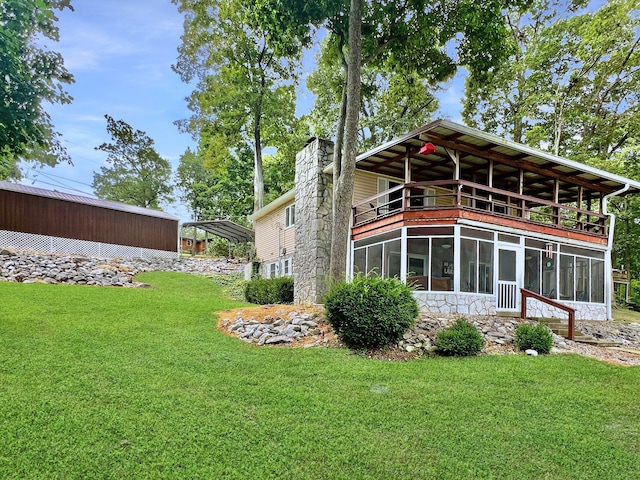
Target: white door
x=508 y=291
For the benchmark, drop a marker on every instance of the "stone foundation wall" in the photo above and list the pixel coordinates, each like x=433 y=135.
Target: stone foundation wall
x=451 y=303
x=584 y=311
x=313 y=222
x=465 y=304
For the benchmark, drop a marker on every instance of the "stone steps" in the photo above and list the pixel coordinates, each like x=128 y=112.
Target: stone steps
x=560 y=327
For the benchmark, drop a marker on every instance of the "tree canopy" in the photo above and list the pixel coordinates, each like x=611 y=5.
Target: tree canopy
x=428 y=38
x=137 y=174
x=244 y=92
x=31 y=75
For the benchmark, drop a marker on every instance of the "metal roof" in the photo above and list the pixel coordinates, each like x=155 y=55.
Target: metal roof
x=540 y=168
x=94 y=202
x=224 y=228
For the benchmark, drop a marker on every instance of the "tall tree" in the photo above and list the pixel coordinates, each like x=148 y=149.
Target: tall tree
x=217 y=193
x=244 y=92
x=137 y=174
x=572 y=84
x=429 y=38
x=392 y=102
x=30 y=76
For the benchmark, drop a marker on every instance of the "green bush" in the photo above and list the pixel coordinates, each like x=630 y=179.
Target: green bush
x=536 y=337
x=461 y=339
x=265 y=291
x=370 y=312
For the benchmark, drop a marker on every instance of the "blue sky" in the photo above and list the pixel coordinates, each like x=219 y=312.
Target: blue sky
x=120 y=53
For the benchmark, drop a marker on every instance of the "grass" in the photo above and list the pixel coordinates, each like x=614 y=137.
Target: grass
x=124 y=383
x=625 y=315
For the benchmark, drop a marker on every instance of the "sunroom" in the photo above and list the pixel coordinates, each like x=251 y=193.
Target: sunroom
x=470 y=219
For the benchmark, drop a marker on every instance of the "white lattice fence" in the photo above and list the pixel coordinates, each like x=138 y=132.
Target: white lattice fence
x=47 y=244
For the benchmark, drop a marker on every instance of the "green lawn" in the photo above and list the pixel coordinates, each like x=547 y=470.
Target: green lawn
x=123 y=383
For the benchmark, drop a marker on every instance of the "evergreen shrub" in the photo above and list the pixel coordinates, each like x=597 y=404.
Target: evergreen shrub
x=536 y=337
x=461 y=339
x=265 y=291
x=370 y=312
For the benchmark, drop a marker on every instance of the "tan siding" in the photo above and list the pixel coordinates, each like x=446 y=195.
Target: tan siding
x=271 y=237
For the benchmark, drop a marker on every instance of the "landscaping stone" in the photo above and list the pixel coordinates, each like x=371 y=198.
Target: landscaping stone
x=29 y=267
x=531 y=352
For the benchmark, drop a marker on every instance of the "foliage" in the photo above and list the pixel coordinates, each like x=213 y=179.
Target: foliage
x=137 y=175
x=232 y=284
x=370 y=312
x=244 y=93
x=266 y=291
x=461 y=339
x=393 y=102
x=217 y=193
x=98 y=380
x=536 y=337
x=571 y=82
x=427 y=39
x=30 y=76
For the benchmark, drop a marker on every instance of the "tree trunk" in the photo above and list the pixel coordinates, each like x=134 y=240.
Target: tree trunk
x=343 y=188
x=258 y=178
x=337 y=153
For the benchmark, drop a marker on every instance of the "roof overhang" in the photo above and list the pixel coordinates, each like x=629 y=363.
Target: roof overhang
x=475 y=147
x=224 y=228
x=281 y=201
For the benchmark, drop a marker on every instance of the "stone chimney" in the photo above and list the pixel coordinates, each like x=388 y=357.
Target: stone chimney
x=313 y=221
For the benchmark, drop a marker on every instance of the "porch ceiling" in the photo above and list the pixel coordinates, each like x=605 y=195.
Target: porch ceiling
x=475 y=148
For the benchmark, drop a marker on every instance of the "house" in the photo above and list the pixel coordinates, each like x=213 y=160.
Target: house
x=466 y=217
x=55 y=222
x=187 y=245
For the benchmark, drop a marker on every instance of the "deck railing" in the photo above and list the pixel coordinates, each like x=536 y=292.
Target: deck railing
x=570 y=311
x=461 y=194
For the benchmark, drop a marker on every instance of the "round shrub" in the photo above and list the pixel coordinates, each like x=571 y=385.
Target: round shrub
x=370 y=312
x=461 y=339
x=536 y=337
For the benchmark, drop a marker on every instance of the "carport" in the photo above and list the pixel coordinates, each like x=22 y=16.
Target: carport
x=230 y=231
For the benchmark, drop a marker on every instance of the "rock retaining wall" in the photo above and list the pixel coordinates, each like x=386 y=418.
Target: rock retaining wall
x=74 y=269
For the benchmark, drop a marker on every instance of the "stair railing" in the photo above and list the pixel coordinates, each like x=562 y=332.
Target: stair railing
x=571 y=311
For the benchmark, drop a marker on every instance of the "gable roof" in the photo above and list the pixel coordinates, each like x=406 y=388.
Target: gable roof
x=94 y=202
x=475 y=147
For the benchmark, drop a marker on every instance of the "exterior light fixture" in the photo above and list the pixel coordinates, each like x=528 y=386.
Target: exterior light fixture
x=427 y=149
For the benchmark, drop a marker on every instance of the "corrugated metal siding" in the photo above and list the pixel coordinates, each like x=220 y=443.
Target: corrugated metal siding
x=26 y=213
x=271 y=237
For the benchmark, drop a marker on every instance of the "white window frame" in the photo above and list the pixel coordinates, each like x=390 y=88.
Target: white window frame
x=271 y=266
x=290 y=216
x=287 y=267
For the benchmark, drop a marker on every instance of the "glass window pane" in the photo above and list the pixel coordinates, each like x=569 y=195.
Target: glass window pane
x=582 y=279
x=566 y=277
x=507 y=265
x=597 y=281
x=377 y=238
x=418 y=262
x=442 y=264
x=374 y=260
x=360 y=261
x=392 y=259
x=473 y=233
x=469 y=263
x=485 y=268
x=549 y=276
x=532 y=270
